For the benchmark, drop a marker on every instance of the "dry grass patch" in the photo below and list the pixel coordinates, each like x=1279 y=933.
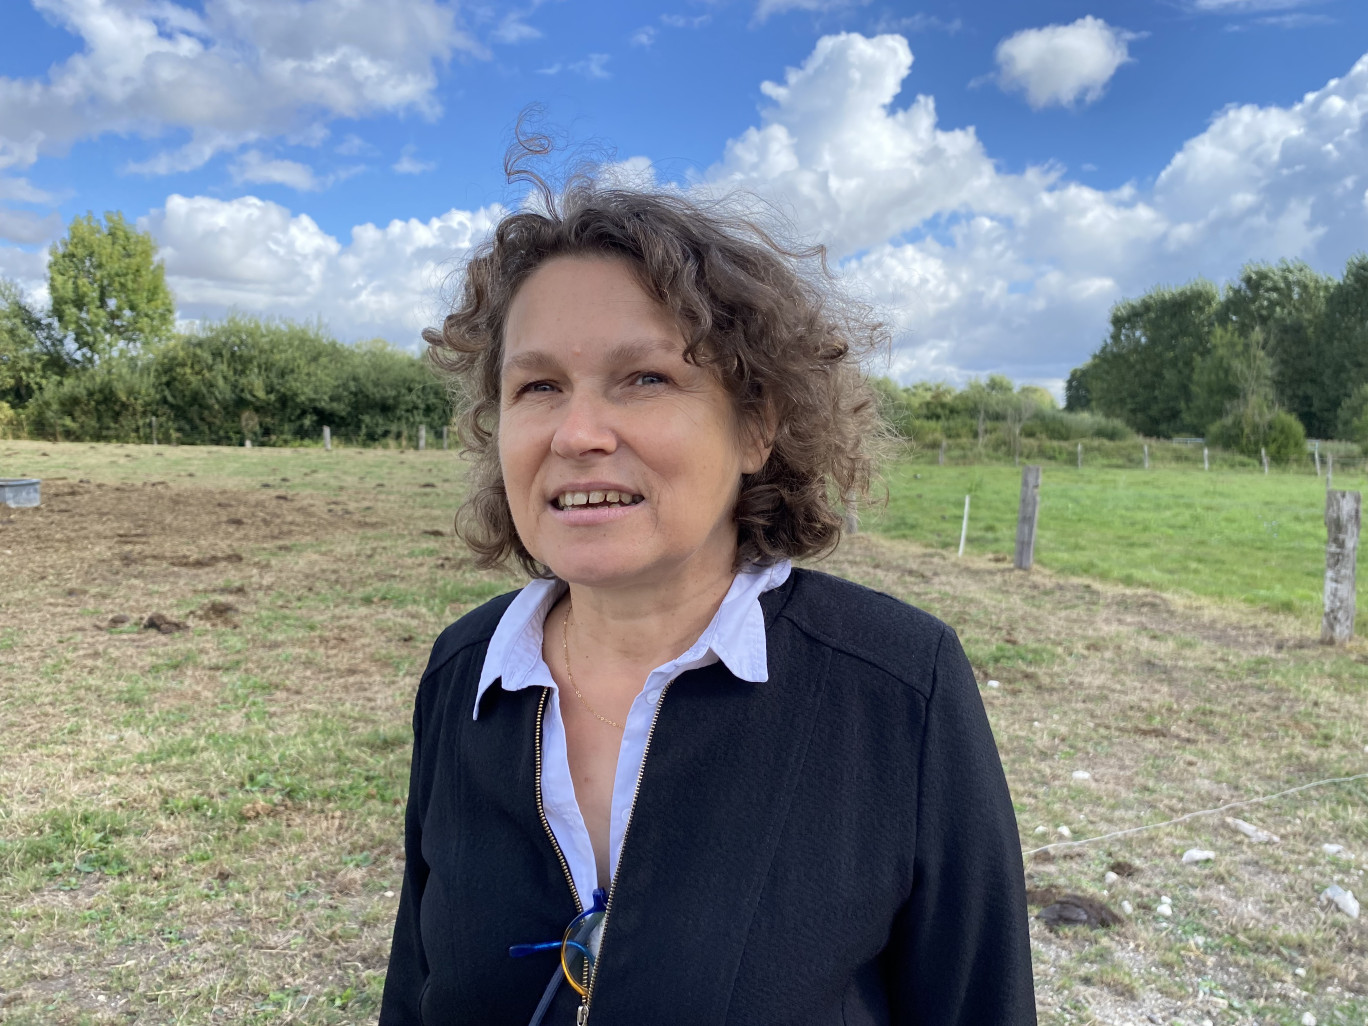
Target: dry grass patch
x=1170 y=706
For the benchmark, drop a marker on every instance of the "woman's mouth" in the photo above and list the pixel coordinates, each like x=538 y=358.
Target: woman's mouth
x=595 y=500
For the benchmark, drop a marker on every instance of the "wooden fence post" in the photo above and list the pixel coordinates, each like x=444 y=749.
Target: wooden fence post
x=940 y=461
x=327 y=438
x=1147 y=455
x=1026 y=517
x=964 y=526
x=445 y=429
x=852 y=518
x=1206 y=459
x=422 y=437
x=1263 y=455
x=1342 y=512
x=1316 y=457
x=154 y=430
x=1080 y=455
x=1329 y=470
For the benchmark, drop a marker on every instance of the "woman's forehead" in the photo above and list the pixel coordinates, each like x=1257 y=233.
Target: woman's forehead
x=586 y=308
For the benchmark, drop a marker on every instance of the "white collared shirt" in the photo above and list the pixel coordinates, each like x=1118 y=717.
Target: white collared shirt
x=736 y=636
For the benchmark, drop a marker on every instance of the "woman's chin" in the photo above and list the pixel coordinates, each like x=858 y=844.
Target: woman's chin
x=598 y=573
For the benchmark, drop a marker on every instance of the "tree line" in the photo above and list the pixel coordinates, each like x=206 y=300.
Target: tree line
x=105 y=358
x=1279 y=353
x=992 y=413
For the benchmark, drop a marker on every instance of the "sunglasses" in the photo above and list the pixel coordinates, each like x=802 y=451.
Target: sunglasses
x=578 y=950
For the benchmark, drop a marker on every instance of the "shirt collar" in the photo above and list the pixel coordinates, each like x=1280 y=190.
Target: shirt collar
x=735 y=635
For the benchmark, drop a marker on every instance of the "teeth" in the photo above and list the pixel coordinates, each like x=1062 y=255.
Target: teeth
x=568 y=499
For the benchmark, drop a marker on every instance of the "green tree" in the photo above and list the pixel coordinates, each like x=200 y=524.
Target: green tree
x=1286 y=303
x=110 y=401
x=31 y=352
x=1344 y=359
x=108 y=289
x=269 y=380
x=1233 y=371
x=1037 y=396
x=1239 y=368
x=1143 y=373
x=1078 y=390
x=1351 y=423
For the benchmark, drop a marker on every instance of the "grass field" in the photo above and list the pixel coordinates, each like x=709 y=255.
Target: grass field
x=204 y=826
x=1227 y=534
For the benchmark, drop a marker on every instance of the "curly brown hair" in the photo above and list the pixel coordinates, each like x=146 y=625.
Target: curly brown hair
x=767 y=318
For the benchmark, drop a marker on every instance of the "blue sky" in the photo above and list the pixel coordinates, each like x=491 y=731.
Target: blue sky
x=993 y=176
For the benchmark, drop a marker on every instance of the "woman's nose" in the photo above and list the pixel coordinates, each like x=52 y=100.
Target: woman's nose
x=585 y=427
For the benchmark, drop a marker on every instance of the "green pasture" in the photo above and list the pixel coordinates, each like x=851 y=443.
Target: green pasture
x=1225 y=534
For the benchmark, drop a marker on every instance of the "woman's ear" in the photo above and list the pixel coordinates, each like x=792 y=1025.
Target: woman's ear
x=757 y=441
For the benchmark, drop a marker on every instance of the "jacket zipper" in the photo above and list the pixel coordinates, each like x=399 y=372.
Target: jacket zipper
x=541 y=809
x=582 y=1016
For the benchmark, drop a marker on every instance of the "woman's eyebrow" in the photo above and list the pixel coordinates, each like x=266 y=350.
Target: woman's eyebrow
x=529 y=360
x=627 y=352
x=643 y=349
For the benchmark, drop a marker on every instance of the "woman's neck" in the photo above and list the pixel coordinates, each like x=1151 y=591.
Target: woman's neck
x=644 y=627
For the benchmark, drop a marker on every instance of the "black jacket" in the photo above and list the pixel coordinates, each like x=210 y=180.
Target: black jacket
x=833 y=846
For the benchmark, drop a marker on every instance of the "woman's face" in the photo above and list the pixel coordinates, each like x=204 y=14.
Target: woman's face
x=622 y=461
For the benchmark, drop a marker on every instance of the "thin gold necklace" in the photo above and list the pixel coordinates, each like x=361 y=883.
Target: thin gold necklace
x=565 y=648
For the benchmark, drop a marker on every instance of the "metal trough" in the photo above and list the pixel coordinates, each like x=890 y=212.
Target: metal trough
x=19 y=492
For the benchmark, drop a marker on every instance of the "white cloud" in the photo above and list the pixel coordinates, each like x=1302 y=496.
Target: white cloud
x=919 y=22
x=21 y=190
x=593 y=66
x=255 y=256
x=982 y=270
x=256 y=169
x=765 y=8
x=830 y=148
x=681 y=21
x=27 y=267
x=512 y=29
x=1245 y=6
x=1293 y=21
x=1059 y=65
x=646 y=35
x=238 y=71
x=354 y=146
x=27 y=228
x=198 y=151
x=408 y=164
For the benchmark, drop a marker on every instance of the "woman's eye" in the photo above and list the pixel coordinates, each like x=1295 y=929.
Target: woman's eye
x=650 y=378
x=535 y=386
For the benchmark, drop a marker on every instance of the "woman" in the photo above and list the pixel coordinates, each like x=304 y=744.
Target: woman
x=674 y=779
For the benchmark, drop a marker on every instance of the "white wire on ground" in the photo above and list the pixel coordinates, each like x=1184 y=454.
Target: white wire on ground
x=1191 y=815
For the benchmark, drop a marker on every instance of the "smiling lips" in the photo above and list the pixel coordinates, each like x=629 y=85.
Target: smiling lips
x=596 y=500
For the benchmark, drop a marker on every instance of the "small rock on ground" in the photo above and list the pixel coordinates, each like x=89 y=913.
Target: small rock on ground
x=1344 y=900
x=1255 y=834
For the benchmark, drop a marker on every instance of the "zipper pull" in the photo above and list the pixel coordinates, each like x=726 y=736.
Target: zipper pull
x=582 y=1016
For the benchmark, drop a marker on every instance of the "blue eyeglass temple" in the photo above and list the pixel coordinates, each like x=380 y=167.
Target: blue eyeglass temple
x=519 y=950
x=522 y=950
